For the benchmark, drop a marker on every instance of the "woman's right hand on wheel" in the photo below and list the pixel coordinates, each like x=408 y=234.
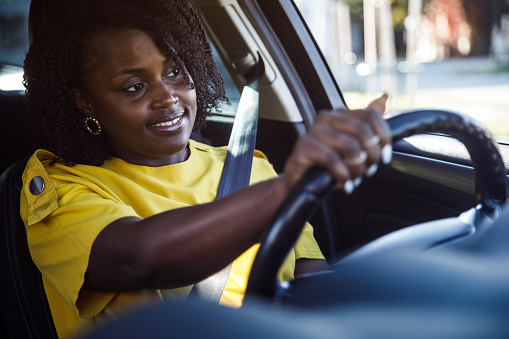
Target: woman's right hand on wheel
x=348 y=143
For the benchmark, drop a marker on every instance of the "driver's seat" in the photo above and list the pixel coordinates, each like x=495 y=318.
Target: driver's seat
x=24 y=306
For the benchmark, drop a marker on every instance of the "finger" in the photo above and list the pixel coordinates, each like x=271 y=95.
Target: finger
x=345 y=122
x=309 y=151
x=381 y=129
x=379 y=104
x=377 y=123
x=347 y=146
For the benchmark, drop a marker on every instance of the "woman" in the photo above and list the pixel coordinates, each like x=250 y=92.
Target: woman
x=127 y=214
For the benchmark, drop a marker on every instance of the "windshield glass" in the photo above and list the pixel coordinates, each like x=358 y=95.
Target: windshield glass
x=450 y=54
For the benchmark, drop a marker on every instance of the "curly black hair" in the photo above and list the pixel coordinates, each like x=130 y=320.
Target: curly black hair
x=58 y=61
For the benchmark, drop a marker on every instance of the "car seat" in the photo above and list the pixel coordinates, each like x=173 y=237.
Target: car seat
x=24 y=306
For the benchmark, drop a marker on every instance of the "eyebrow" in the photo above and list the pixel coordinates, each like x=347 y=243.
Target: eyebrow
x=138 y=70
x=127 y=71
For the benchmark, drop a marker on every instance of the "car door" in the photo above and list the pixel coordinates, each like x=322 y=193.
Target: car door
x=430 y=177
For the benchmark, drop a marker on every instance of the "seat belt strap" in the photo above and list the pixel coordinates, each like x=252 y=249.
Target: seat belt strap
x=237 y=166
x=236 y=171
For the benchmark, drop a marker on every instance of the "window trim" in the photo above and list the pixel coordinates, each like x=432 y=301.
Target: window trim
x=280 y=18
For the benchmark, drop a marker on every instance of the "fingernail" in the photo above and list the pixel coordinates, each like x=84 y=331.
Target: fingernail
x=372 y=170
x=387 y=154
x=357 y=182
x=348 y=187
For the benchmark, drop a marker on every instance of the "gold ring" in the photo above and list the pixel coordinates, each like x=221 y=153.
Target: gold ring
x=374 y=140
x=360 y=159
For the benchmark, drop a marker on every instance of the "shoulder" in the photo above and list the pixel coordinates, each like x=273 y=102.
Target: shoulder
x=40 y=160
x=38 y=195
x=49 y=166
x=47 y=178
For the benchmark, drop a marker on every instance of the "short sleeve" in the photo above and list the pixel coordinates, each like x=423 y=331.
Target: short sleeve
x=60 y=238
x=306 y=246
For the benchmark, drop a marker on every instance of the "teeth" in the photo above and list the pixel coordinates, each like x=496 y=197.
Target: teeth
x=167 y=123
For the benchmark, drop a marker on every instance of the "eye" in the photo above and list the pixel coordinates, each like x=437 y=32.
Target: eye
x=134 y=88
x=174 y=73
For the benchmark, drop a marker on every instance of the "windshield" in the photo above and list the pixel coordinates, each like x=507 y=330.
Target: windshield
x=450 y=54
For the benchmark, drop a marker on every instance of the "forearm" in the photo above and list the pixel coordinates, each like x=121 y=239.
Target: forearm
x=305 y=266
x=183 y=246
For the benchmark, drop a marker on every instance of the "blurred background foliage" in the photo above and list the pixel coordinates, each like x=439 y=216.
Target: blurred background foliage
x=480 y=15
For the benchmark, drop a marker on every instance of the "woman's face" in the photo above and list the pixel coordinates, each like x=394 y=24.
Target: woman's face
x=141 y=99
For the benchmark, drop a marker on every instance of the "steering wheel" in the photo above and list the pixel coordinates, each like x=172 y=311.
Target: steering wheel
x=286 y=226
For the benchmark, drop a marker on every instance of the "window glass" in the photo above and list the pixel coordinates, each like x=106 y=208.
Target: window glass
x=13 y=43
x=13 y=31
x=231 y=90
x=451 y=54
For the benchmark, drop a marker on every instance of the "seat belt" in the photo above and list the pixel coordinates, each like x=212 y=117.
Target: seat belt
x=236 y=170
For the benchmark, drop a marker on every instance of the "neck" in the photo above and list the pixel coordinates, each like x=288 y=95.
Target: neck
x=173 y=159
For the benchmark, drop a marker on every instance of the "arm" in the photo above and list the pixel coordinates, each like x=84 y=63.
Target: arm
x=306 y=266
x=183 y=246
x=180 y=247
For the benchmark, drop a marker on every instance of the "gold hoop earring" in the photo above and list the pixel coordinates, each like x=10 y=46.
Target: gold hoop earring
x=94 y=129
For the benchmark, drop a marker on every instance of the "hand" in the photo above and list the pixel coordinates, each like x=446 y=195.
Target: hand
x=348 y=143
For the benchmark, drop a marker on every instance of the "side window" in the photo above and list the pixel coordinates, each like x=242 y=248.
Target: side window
x=232 y=92
x=13 y=43
x=13 y=31
x=450 y=54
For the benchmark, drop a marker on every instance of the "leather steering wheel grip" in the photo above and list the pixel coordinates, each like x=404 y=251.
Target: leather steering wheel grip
x=490 y=172
x=284 y=230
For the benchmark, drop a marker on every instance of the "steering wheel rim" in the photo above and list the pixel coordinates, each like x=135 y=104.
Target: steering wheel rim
x=284 y=230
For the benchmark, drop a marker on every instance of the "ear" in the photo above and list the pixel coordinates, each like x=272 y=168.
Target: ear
x=83 y=102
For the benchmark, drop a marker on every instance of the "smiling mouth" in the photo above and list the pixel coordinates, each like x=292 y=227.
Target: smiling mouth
x=167 y=123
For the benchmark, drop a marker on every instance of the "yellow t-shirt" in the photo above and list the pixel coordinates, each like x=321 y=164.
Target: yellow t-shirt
x=78 y=202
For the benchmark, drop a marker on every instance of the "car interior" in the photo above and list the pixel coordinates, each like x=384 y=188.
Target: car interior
x=442 y=165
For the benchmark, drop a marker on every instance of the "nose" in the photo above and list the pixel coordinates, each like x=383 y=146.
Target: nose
x=164 y=96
